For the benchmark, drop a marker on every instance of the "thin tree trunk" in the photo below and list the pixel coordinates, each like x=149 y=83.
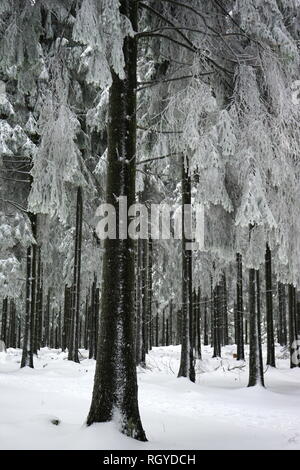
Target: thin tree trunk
x=171 y=321
x=225 y=311
x=27 y=353
x=74 y=333
x=205 y=325
x=294 y=356
x=46 y=341
x=198 y=324
x=144 y=303
x=216 y=324
x=255 y=357
x=138 y=305
x=186 y=360
x=12 y=337
x=38 y=309
x=150 y=267
x=4 y=320
x=163 y=342
x=269 y=309
x=239 y=309
x=282 y=323
x=67 y=318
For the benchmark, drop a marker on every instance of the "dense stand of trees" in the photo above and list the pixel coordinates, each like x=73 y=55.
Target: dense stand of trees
x=154 y=100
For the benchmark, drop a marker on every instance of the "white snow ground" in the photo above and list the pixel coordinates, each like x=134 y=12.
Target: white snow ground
x=218 y=412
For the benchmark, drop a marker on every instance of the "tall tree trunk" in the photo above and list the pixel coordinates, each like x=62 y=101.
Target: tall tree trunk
x=150 y=267
x=30 y=315
x=205 y=323
x=74 y=330
x=139 y=349
x=97 y=317
x=171 y=321
x=144 y=292
x=12 y=337
x=239 y=309
x=92 y=330
x=39 y=300
x=198 y=324
x=282 y=324
x=46 y=340
x=115 y=386
x=163 y=342
x=294 y=349
x=269 y=309
x=67 y=317
x=27 y=353
x=225 y=310
x=156 y=330
x=4 y=320
x=216 y=324
x=186 y=360
x=256 y=374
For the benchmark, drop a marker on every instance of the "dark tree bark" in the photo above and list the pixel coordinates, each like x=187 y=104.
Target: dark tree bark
x=225 y=310
x=216 y=323
x=235 y=323
x=194 y=329
x=198 y=324
x=150 y=267
x=212 y=329
x=256 y=373
x=46 y=337
x=74 y=328
x=282 y=322
x=171 y=321
x=163 y=340
x=269 y=309
x=294 y=349
x=39 y=303
x=258 y=296
x=67 y=317
x=12 y=336
x=30 y=315
x=167 y=332
x=4 y=320
x=139 y=349
x=205 y=324
x=97 y=316
x=86 y=323
x=115 y=386
x=239 y=309
x=187 y=358
x=179 y=326
x=144 y=293
x=27 y=353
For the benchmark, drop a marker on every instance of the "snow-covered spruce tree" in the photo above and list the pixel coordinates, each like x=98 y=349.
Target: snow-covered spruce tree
x=271 y=115
x=182 y=125
x=107 y=29
x=51 y=96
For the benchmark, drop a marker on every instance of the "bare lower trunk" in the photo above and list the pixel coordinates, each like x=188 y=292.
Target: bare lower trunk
x=74 y=327
x=187 y=360
x=239 y=309
x=115 y=386
x=269 y=309
x=255 y=358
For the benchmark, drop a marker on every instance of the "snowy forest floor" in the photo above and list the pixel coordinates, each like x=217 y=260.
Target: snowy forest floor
x=218 y=412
